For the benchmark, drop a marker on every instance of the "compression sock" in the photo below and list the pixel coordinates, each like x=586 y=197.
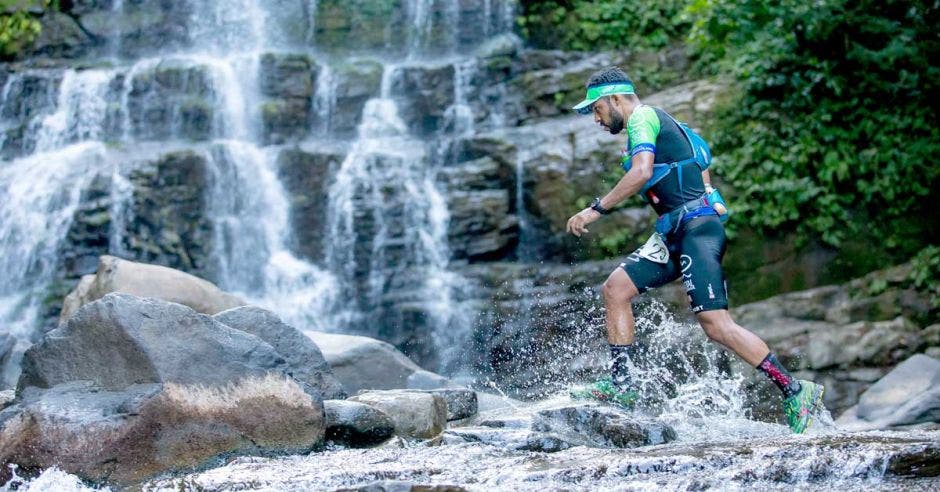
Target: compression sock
x=620 y=356
x=779 y=375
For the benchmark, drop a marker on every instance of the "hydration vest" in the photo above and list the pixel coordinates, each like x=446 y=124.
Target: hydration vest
x=701 y=156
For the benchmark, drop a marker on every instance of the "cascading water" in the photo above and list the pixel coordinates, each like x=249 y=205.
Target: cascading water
x=202 y=93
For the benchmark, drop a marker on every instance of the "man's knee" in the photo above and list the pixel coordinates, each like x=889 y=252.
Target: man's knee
x=715 y=323
x=618 y=286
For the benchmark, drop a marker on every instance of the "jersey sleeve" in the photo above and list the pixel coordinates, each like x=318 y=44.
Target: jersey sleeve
x=642 y=131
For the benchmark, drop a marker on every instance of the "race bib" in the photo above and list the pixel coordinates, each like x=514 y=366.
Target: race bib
x=654 y=249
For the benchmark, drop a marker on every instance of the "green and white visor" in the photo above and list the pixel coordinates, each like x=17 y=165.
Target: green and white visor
x=598 y=91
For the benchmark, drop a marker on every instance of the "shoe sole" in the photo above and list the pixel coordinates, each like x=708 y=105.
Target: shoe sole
x=817 y=399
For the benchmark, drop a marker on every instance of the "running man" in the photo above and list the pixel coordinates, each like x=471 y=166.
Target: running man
x=661 y=164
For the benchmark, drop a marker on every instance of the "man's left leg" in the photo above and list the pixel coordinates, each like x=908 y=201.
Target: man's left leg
x=702 y=249
x=801 y=398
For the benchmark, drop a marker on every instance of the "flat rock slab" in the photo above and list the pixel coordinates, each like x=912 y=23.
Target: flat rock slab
x=602 y=426
x=415 y=413
x=356 y=424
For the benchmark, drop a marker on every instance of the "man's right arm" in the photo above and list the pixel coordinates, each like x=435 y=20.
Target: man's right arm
x=641 y=170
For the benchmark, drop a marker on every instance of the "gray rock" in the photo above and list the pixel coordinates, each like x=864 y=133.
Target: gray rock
x=171 y=225
x=288 y=79
x=354 y=84
x=414 y=413
x=427 y=380
x=143 y=280
x=124 y=437
x=461 y=403
x=424 y=94
x=601 y=426
x=364 y=363
x=401 y=486
x=356 y=424
x=909 y=394
x=174 y=99
x=122 y=340
x=878 y=343
x=6 y=398
x=481 y=226
x=305 y=362
x=305 y=174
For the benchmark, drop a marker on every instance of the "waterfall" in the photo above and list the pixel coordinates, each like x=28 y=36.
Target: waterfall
x=386 y=255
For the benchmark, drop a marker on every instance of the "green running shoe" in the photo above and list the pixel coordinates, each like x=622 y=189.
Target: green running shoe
x=801 y=407
x=604 y=390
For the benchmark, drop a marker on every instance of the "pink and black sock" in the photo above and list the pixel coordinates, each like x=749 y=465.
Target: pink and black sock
x=620 y=356
x=779 y=375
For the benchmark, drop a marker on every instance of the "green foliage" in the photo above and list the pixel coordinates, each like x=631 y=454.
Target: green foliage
x=925 y=273
x=584 y=25
x=18 y=24
x=833 y=129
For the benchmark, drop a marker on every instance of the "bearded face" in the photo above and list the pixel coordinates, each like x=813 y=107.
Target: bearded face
x=609 y=117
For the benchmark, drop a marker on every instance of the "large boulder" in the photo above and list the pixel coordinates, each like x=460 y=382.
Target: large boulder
x=143 y=280
x=415 y=413
x=461 y=403
x=121 y=340
x=363 y=363
x=126 y=436
x=356 y=424
x=910 y=394
x=305 y=362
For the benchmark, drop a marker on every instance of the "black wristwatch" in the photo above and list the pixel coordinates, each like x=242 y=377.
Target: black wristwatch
x=596 y=205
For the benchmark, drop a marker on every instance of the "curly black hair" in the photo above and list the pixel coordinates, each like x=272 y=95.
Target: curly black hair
x=608 y=75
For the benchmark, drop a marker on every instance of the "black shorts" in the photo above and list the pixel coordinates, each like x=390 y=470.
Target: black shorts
x=695 y=253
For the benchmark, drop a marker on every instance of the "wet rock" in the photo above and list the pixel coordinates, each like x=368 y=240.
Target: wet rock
x=29 y=95
x=361 y=25
x=363 y=363
x=461 y=403
x=143 y=280
x=121 y=340
x=7 y=344
x=61 y=37
x=401 y=486
x=171 y=225
x=287 y=75
x=423 y=93
x=601 y=426
x=136 y=28
x=414 y=413
x=6 y=398
x=910 y=394
x=356 y=424
x=288 y=80
x=305 y=362
x=174 y=99
x=481 y=226
x=123 y=437
x=305 y=174
x=88 y=237
x=355 y=82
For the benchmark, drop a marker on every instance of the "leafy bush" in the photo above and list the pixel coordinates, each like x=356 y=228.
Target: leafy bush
x=833 y=130
x=584 y=25
x=18 y=25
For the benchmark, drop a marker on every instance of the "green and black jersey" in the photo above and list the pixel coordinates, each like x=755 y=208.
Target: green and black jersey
x=651 y=129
